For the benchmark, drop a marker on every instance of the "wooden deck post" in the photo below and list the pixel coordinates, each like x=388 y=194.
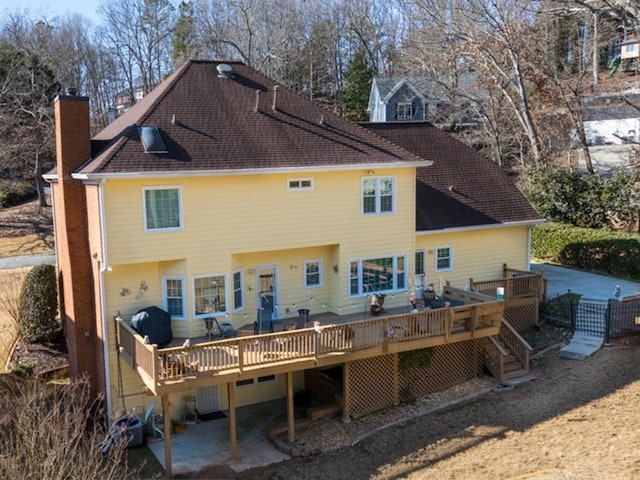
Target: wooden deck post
x=166 y=414
x=291 y=423
x=346 y=395
x=233 y=437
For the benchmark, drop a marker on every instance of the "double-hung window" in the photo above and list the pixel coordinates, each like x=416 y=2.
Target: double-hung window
x=378 y=275
x=312 y=273
x=162 y=208
x=378 y=195
x=173 y=296
x=209 y=295
x=444 y=258
x=404 y=111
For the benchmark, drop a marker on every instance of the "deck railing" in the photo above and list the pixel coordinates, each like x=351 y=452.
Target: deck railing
x=159 y=367
x=523 y=285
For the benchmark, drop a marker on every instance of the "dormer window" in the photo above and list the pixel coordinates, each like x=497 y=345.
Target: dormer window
x=404 y=111
x=151 y=139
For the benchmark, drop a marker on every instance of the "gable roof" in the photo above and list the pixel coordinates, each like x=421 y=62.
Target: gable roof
x=210 y=124
x=426 y=87
x=461 y=188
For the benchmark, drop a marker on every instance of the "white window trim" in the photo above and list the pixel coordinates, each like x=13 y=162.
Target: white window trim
x=165 y=303
x=450 y=267
x=226 y=296
x=180 y=212
x=424 y=261
x=242 y=307
x=255 y=381
x=404 y=116
x=395 y=288
x=378 y=196
x=293 y=188
x=319 y=262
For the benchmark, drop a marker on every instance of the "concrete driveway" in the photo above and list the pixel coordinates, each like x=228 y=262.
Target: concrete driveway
x=26 y=261
x=589 y=285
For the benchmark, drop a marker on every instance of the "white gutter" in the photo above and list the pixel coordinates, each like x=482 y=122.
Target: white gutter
x=104 y=267
x=529 y=248
x=530 y=223
x=254 y=171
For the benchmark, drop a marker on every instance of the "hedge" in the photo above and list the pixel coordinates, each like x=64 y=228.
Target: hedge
x=602 y=251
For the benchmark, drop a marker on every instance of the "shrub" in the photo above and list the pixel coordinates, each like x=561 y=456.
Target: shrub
x=14 y=193
x=598 y=250
x=57 y=431
x=38 y=305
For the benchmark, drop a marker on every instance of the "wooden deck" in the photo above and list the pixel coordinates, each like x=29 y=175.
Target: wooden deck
x=339 y=339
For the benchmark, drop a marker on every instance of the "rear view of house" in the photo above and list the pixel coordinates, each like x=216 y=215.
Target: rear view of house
x=235 y=205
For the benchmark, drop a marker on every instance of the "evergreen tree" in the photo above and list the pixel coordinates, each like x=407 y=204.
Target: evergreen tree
x=358 y=87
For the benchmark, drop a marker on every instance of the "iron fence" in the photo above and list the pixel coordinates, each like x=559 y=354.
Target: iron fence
x=607 y=318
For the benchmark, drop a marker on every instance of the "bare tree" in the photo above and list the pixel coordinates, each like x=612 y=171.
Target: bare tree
x=137 y=33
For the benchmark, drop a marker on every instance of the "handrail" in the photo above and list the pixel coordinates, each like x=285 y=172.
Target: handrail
x=238 y=354
x=515 y=342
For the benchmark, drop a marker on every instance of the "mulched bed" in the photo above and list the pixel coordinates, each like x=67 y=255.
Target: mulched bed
x=43 y=358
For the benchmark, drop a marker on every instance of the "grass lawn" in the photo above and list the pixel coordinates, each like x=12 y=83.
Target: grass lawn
x=26 y=245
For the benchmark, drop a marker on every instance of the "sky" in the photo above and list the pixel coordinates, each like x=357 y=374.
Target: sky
x=52 y=8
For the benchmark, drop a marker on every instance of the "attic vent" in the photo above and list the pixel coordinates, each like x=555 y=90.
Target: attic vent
x=151 y=139
x=224 y=70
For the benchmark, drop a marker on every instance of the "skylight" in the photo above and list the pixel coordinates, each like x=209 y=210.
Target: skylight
x=151 y=139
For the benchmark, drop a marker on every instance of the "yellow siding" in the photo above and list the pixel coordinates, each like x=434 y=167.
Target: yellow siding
x=227 y=215
x=477 y=254
x=248 y=221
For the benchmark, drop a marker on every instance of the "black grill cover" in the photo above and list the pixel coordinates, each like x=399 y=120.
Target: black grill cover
x=154 y=323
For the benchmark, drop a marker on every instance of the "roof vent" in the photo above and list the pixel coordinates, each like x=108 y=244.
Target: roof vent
x=151 y=139
x=224 y=70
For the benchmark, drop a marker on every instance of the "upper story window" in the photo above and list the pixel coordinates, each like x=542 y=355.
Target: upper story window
x=162 y=208
x=444 y=258
x=378 y=195
x=300 y=184
x=210 y=295
x=404 y=111
x=313 y=273
x=173 y=296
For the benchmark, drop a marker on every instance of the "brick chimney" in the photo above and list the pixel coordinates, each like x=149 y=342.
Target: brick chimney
x=74 y=261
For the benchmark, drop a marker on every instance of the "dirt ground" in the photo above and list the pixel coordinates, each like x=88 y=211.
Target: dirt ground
x=577 y=420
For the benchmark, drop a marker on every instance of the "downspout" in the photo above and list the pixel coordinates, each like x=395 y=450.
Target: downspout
x=104 y=267
x=529 y=230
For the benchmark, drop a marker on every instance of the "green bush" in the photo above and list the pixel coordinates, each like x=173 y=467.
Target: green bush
x=584 y=200
x=38 y=305
x=600 y=250
x=14 y=193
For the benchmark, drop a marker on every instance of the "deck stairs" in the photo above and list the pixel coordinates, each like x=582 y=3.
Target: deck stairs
x=507 y=355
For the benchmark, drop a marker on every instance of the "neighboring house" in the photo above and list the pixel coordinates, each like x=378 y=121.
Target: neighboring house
x=630 y=54
x=125 y=100
x=220 y=195
x=613 y=123
x=408 y=98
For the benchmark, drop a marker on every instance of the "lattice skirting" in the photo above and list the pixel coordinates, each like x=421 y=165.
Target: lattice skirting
x=522 y=313
x=380 y=382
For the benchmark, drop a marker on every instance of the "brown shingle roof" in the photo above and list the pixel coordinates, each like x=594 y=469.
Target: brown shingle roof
x=210 y=124
x=461 y=188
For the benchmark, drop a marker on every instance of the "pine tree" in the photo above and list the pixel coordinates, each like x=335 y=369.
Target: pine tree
x=358 y=86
